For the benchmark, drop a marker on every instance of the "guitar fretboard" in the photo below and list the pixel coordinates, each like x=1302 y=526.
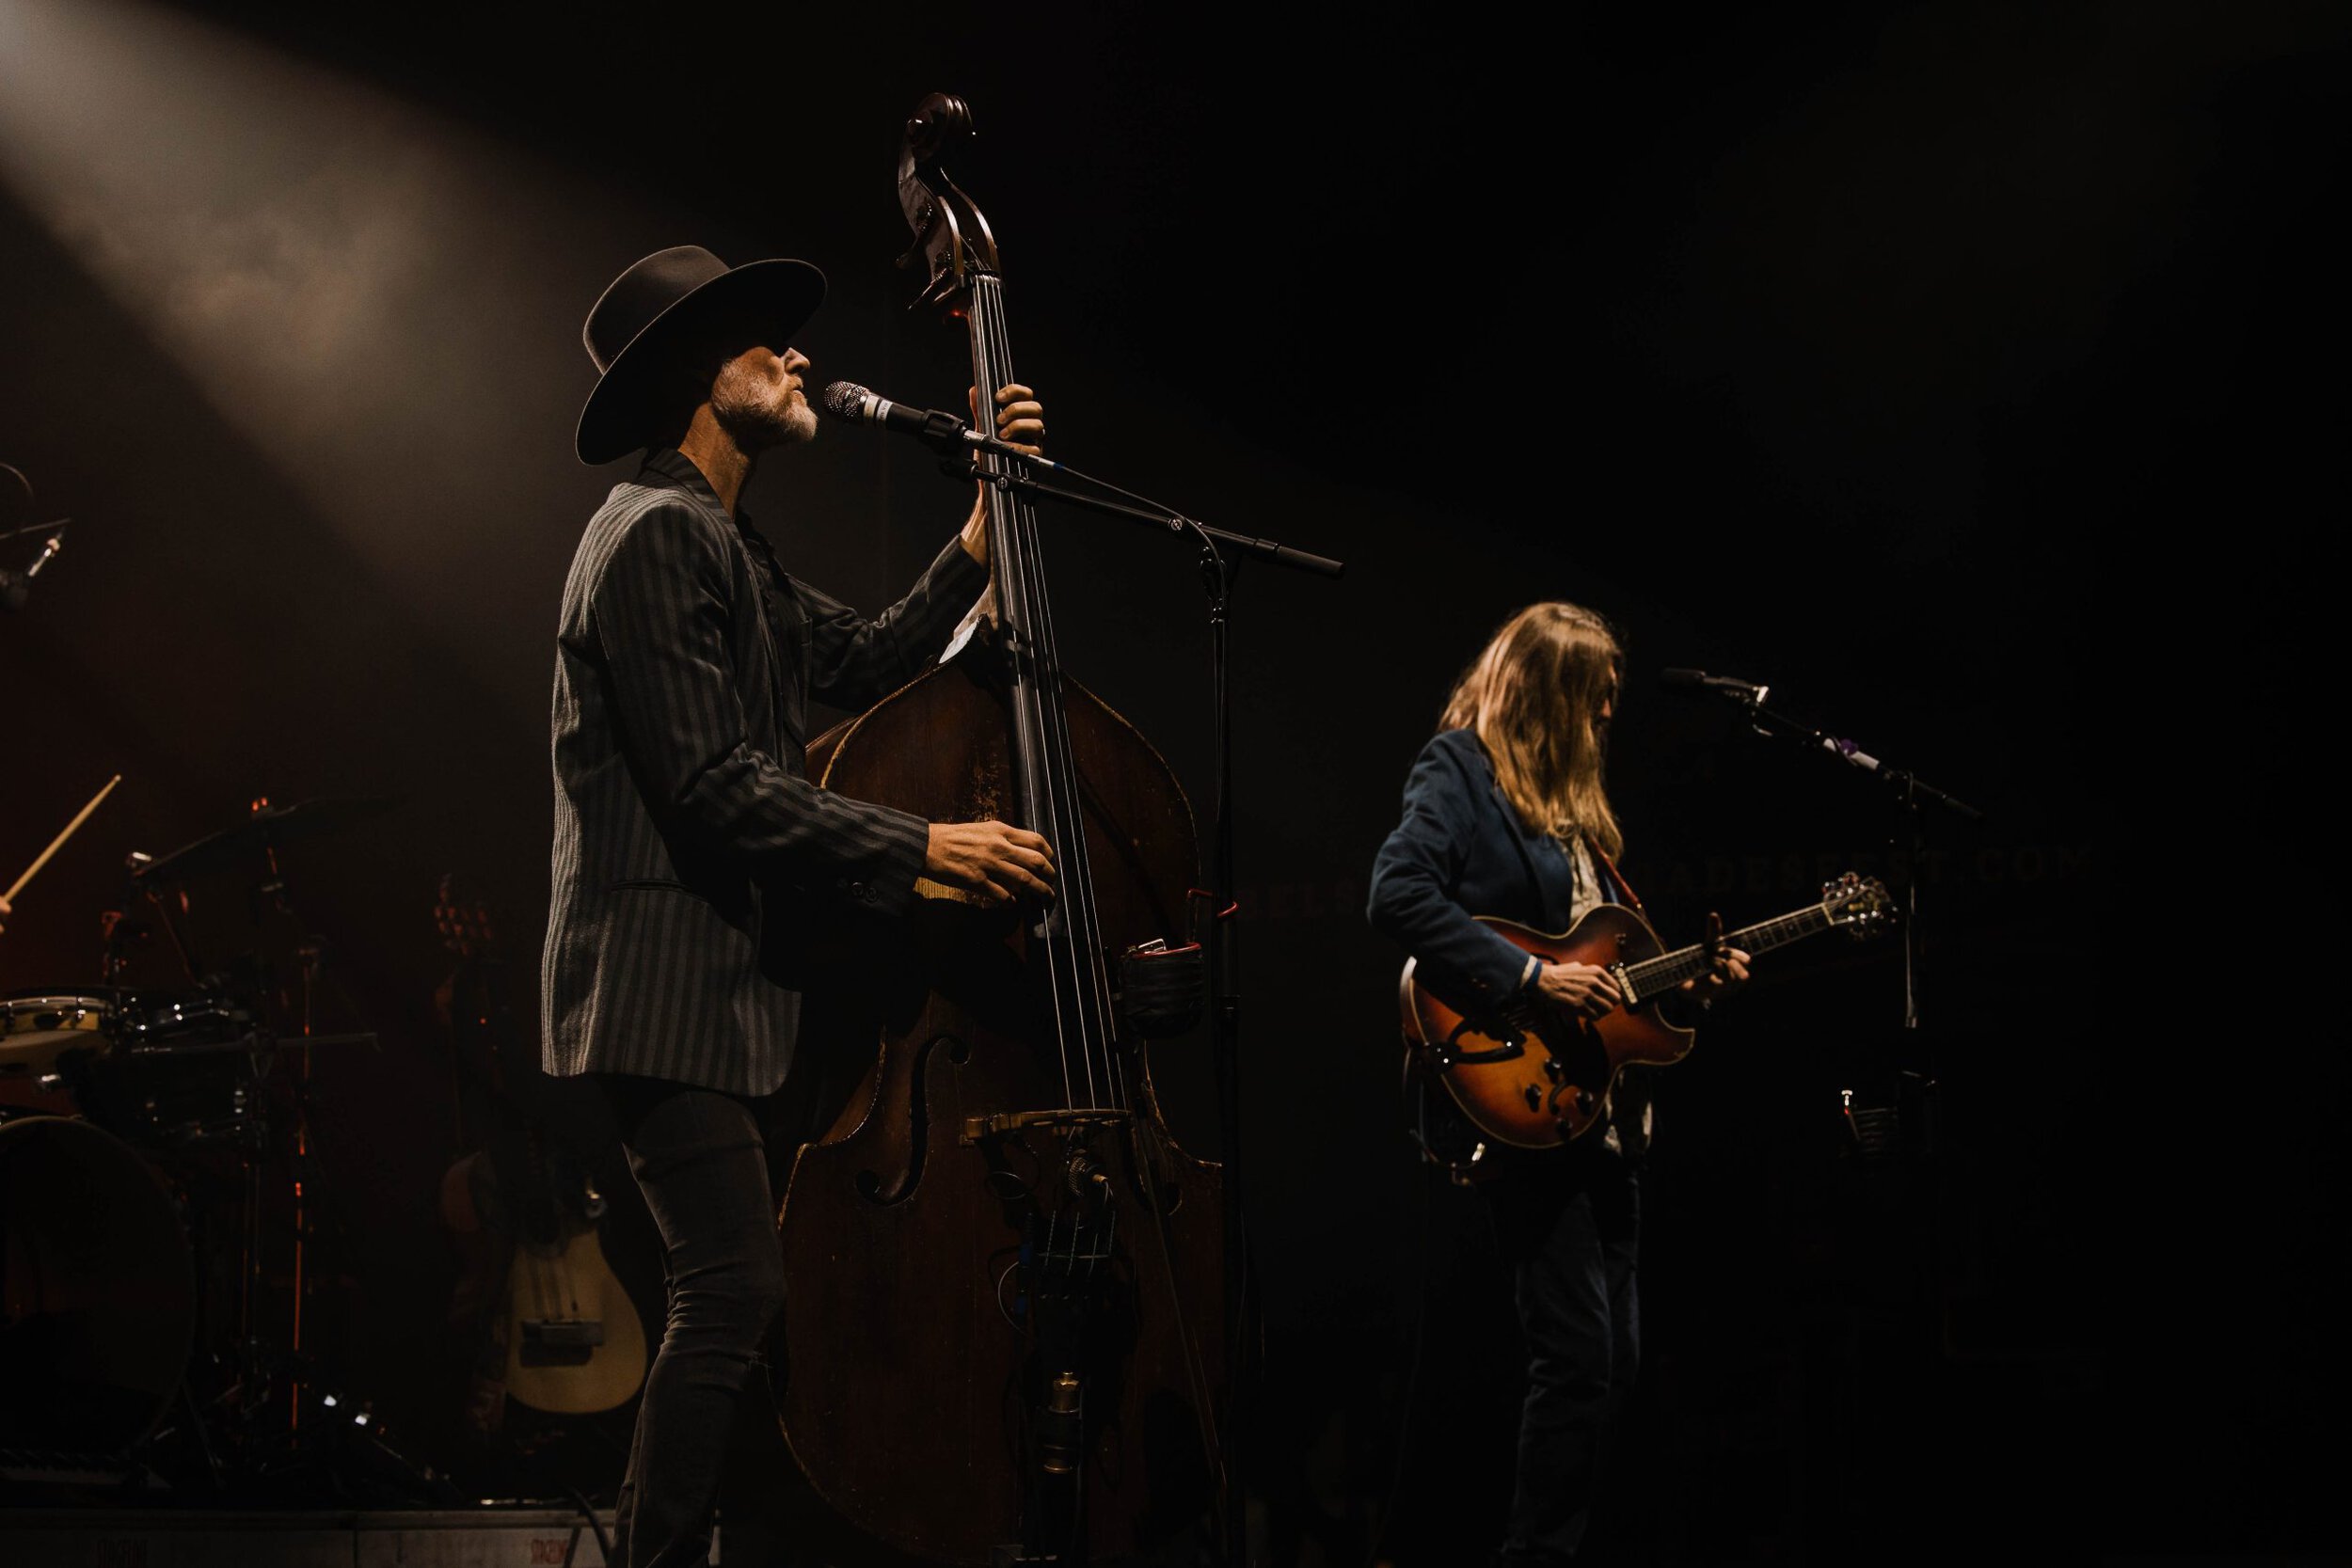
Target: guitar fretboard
x=1652 y=977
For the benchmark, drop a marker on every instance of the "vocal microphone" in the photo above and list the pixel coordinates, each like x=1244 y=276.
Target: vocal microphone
x=15 y=590
x=1699 y=680
x=851 y=404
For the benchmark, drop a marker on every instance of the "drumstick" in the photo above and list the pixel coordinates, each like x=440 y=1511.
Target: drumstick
x=58 y=843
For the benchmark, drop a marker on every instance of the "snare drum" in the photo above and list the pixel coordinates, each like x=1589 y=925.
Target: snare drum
x=181 y=1020
x=45 y=1035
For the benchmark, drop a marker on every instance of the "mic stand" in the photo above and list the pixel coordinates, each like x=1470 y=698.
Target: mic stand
x=1019 y=472
x=1912 y=793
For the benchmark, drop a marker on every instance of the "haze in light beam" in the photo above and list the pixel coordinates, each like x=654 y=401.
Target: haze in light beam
x=381 y=301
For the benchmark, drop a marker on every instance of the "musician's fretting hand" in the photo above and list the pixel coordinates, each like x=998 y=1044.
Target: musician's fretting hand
x=1729 y=969
x=1020 y=418
x=992 y=859
x=1584 y=990
x=1019 y=422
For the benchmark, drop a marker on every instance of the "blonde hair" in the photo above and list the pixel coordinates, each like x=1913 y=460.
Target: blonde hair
x=1533 y=698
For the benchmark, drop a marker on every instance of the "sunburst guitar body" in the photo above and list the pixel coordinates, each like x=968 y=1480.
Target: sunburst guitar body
x=1533 y=1076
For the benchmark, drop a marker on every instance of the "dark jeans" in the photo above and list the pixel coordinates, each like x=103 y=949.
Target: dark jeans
x=1573 y=1233
x=702 y=1163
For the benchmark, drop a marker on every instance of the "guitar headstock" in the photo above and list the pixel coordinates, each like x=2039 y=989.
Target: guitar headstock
x=1860 y=905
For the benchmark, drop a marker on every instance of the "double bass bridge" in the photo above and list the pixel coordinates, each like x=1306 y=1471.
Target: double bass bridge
x=981 y=1129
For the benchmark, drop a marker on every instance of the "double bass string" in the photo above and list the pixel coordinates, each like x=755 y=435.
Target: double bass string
x=1012 y=593
x=1081 y=918
x=1070 y=924
x=1016 y=553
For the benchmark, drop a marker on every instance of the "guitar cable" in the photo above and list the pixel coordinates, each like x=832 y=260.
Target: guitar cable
x=587 y=1512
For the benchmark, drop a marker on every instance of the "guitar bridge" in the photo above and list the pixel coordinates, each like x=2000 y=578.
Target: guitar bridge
x=560 y=1341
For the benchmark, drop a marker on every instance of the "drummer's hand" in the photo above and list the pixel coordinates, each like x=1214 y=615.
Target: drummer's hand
x=1019 y=422
x=991 y=858
x=5 y=912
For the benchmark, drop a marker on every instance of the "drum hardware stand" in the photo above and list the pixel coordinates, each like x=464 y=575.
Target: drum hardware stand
x=314 y=1426
x=307 y=951
x=120 y=931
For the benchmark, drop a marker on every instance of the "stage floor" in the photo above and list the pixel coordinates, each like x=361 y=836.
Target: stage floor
x=160 y=1538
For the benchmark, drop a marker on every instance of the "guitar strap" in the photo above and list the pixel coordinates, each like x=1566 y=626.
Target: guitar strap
x=1626 y=894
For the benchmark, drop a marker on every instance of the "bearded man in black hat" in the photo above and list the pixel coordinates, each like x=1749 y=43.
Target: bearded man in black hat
x=688 y=839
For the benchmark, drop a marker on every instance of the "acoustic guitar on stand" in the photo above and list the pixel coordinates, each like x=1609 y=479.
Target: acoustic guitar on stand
x=550 y=1324
x=1534 y=1076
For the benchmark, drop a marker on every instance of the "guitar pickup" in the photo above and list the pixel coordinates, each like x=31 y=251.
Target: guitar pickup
x=1618 y=973
x=560 y=1341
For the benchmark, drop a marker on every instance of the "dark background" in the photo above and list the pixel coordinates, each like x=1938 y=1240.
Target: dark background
x=1972 y=374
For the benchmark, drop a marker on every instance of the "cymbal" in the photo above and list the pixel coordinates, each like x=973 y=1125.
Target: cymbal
x=267 y=828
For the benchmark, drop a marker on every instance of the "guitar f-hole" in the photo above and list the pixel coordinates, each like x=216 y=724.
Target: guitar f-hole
x=1448 y=1054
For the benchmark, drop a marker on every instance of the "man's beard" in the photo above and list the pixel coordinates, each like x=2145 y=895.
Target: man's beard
x=757 y=415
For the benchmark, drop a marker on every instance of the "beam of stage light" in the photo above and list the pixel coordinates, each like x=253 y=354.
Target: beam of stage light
x=379 y=301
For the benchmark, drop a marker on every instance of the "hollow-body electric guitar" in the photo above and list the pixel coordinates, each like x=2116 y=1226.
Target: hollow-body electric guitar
x=1533 y=1076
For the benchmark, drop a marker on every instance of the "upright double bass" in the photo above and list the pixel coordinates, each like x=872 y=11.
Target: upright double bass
x=1003 y=1324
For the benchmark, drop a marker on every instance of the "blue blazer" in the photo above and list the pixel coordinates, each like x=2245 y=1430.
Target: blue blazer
x=1460 y=850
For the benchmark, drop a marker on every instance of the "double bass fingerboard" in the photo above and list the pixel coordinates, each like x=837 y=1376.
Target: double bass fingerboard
x=1069 y=934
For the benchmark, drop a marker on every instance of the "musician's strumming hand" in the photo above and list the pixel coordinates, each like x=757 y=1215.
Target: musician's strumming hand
x=992 y=859
x=1019 y=422
x=1584 y=990
x=1727 y=969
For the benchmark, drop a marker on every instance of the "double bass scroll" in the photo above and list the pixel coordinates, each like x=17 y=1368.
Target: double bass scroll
x=1004 y=1323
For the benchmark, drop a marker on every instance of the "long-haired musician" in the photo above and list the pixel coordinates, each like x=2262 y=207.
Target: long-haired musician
x=1507 y=814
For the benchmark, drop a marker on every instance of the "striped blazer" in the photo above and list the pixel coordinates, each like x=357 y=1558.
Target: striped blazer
x=685 y=824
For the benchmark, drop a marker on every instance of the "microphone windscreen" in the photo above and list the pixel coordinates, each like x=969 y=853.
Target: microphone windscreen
x=845 y=400
x=1682 y=677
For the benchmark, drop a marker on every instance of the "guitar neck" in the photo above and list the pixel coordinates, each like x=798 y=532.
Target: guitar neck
x=1653 y=976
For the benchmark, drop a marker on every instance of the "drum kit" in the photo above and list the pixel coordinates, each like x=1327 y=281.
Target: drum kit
x=159 y=1187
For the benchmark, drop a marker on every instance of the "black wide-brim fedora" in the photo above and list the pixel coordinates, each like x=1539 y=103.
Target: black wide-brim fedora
x=676 y=298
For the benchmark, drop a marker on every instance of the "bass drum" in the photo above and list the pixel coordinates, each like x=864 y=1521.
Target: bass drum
x=97 y=1293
